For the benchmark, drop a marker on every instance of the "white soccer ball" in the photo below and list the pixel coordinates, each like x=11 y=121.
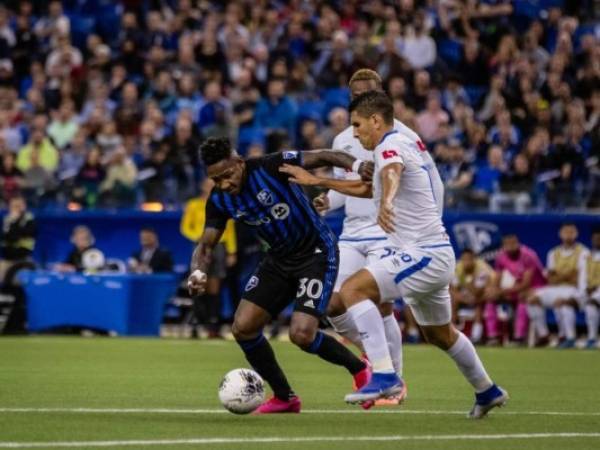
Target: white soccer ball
x=242 y=391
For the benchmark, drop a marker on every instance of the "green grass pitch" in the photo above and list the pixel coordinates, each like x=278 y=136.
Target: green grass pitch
x=150 y=393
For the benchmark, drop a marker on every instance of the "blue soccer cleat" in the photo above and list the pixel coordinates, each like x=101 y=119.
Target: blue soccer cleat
x=382 y=385
x=591 y=344
x=487 y=400
x=567 y=343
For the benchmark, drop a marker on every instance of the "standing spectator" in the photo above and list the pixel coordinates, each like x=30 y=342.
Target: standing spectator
x=565 y=268
x=151 y=258
x=18 y=235
x=518 y=269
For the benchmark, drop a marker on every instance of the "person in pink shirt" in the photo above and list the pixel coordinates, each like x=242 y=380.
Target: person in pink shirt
x=519 y=270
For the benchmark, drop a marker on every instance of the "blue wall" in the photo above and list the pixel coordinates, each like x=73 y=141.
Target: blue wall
x=117 y=232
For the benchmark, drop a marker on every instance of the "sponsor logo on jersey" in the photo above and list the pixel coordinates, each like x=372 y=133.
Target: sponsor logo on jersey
x=252 y=283
x=265 y=197
x=421 y=146
x=280 y=211
x=291 y=154
x=348 y=148
x=239 y=213
x=387 y=154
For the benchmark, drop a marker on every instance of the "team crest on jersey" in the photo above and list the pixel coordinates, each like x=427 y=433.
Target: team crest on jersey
x=291 y=154
x=252 y=283
x=265 y=197
x=280 y=211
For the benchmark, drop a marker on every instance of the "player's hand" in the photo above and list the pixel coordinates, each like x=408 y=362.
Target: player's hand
x=197 y=283
x=321 y=203
x=385 y=219
x=299 y=175
x=365 y=170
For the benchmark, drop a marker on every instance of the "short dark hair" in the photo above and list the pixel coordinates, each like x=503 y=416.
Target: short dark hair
x=510 y=236
x=148 y=229
x=374 y=102
x=215 y=149
x=468 y=251
x=567 y=224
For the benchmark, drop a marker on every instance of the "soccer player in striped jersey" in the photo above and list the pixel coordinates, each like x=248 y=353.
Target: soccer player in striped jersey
x=301 y=264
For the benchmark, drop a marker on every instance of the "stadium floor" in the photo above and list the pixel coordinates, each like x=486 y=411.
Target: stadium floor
x=58 y=392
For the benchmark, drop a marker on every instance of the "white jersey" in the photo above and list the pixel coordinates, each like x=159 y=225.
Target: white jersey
x=419 y=201
x=360 y=222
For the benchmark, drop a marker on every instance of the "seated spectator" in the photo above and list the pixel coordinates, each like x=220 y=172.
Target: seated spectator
x=430 y=120
x=214 y=102
x=472 y=282
x=487 y=176
x=515 y=187
x=118 y=187
x=592 y=290
x=87 y=182
x=38 y=183
x=151 y=258
x=84 y=256
x=64 y=127
x=457 y=174
x=73 y=155
x=18 y=235
x=47 y=155
x=276 y=114
x=11 y=178
x=419 y=48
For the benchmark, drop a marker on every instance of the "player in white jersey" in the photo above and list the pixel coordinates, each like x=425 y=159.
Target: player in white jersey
x=421 y=264
x=362 y=239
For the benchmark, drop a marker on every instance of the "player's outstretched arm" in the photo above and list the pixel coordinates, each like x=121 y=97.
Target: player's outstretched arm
x=355 y=188
x=390 y=182
x=312 y=159
x=201 y=260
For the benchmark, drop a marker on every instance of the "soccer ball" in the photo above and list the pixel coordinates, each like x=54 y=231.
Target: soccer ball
x=242 y=391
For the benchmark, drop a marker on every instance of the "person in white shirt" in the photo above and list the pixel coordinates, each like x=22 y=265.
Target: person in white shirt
x=362 y=239
x=418 y=267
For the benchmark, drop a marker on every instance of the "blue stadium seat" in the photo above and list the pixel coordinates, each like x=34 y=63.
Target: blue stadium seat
x=81 y=28
x=248 y=136
x=311 y=109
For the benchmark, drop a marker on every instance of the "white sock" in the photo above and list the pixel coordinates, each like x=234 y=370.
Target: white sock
x=592 y=318
x=370 y=325
x=393 y=335
x=476 y=332
x=537 y=314
x=568 y=317
x=464 y=355
x=559 y=322
x=345 y=326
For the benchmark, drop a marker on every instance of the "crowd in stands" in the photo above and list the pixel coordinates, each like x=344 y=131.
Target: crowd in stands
x=105 y=103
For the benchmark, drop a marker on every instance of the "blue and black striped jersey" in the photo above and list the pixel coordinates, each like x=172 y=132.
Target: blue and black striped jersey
x=283 y=214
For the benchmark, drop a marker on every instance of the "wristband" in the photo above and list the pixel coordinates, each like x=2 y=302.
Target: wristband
x=356 y=165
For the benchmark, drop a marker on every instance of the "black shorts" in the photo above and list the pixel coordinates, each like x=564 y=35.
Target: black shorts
x=307 y=280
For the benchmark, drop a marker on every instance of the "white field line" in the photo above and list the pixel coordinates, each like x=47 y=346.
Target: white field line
x=306 y=411
x=276 y=439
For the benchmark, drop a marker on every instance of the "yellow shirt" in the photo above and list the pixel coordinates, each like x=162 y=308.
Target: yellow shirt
x=48 y=156
x=193 y=220
x=593 y=269
x=480 y=276
x=563 y=261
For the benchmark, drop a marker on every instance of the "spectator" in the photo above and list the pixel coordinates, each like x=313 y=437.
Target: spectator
x=87 y=182
x=487 y=176
x=18 y=235
x=419 y=47
x=64 y=127
x=84 y=256
x=40 y=146
x=38 y=182
x=515 y=187
x=592 y=290
x=11 y=178
x=73 y=155
x=151 y=258
x=277 y=113
x=457 y=173
x=118 y=187
x=430 y=120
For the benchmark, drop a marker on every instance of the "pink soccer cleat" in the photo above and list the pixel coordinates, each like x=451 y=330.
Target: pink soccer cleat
x=276 y=406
